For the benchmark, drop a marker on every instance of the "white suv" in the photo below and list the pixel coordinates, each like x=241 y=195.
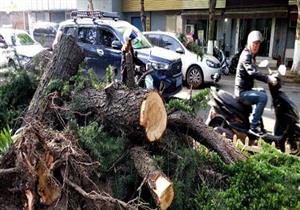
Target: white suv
x=195 y=70
x=23 y=45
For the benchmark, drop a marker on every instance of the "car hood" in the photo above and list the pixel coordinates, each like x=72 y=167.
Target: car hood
x=194 y=57
x=158 y=53
x=29 y=50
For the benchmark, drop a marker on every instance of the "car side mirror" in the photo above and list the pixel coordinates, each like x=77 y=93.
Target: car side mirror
x=116 y=44
x=179 y=50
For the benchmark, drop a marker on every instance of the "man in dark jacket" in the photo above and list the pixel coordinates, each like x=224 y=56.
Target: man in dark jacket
x=244 y=81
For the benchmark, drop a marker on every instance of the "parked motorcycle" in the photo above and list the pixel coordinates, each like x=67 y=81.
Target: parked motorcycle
x=234 y=62
x=219 y=54
x=229 y=115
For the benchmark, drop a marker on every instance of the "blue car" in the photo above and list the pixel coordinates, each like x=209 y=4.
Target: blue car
x=100 y=35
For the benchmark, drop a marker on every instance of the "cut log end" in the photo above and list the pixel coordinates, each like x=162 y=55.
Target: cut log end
x=164 y=191
x=153 y=116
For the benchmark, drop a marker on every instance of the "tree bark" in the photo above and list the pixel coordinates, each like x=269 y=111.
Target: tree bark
x=296 y=59
x=204 y=134
x=142 y=14
x=136 y=112
x=129 y=70
x=39 y=62
x=64 y=64
x=158 y=183
x=90 y=5
x=211 y=26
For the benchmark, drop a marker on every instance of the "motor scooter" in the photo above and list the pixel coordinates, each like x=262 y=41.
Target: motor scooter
x=219 y=54
x=229 y=115
x=234 y=62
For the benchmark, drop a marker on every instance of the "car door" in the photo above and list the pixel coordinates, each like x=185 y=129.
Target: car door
x=88 y=40
x=173 y=44
x=111 y=56
x=169 y=43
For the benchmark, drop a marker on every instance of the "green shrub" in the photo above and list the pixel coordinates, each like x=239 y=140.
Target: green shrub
x=16 y=94
x=101 y=146
x=197 y=102
x=269 y=180
x=192 y=46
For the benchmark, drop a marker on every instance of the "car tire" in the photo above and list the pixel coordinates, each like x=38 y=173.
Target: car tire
x=194 y=77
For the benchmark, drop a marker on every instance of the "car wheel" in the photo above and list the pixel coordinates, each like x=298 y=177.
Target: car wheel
x=194 y=77
x=11 y=64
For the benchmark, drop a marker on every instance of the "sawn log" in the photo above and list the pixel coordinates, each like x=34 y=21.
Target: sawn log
x=158 y=183
x=137 y=113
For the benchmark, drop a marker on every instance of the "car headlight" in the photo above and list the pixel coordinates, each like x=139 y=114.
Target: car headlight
x=159 y=65
x=212 y=64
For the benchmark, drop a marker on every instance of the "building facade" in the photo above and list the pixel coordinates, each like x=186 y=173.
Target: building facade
x=23 y=14
x=276 y=19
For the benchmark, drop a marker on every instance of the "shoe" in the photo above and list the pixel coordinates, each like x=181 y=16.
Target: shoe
x=255 y=132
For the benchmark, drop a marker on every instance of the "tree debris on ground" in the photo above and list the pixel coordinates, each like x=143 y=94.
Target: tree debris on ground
x=53 y=166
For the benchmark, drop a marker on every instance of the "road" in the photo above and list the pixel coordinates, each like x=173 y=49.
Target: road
x=227 y=83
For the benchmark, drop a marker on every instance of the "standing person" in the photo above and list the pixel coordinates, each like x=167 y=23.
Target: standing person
x=129 y=59
x=244 y=81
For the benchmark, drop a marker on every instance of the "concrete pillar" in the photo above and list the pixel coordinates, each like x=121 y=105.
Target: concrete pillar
x=272 y=37
x=47 y=16
x=179 y=24
x=237 y=33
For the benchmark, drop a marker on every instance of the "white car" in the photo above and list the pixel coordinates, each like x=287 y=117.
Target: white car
x=195 y=70
x=23 y=45
x=6 y=54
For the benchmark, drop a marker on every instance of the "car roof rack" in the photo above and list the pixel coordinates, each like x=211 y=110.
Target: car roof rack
x=94 y=15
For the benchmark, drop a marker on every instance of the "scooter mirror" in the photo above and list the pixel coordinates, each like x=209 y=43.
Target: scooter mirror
x=282 y=70
x=263 y=64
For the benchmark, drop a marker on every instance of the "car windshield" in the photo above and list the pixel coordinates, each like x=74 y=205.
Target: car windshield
x=140 y=42
x=24 y=39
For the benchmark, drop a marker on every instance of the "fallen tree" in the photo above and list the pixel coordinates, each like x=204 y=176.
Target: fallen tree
x=44 y=161
x=134 y=112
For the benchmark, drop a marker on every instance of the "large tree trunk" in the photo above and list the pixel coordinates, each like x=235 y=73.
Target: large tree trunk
x=64 y=64
x=159 y=184
x=211 y=26
x=136 y=112
x=296 y=60
x=205 y=135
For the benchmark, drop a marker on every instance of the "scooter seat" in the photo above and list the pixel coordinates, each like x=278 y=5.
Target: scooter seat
x=229 y=100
